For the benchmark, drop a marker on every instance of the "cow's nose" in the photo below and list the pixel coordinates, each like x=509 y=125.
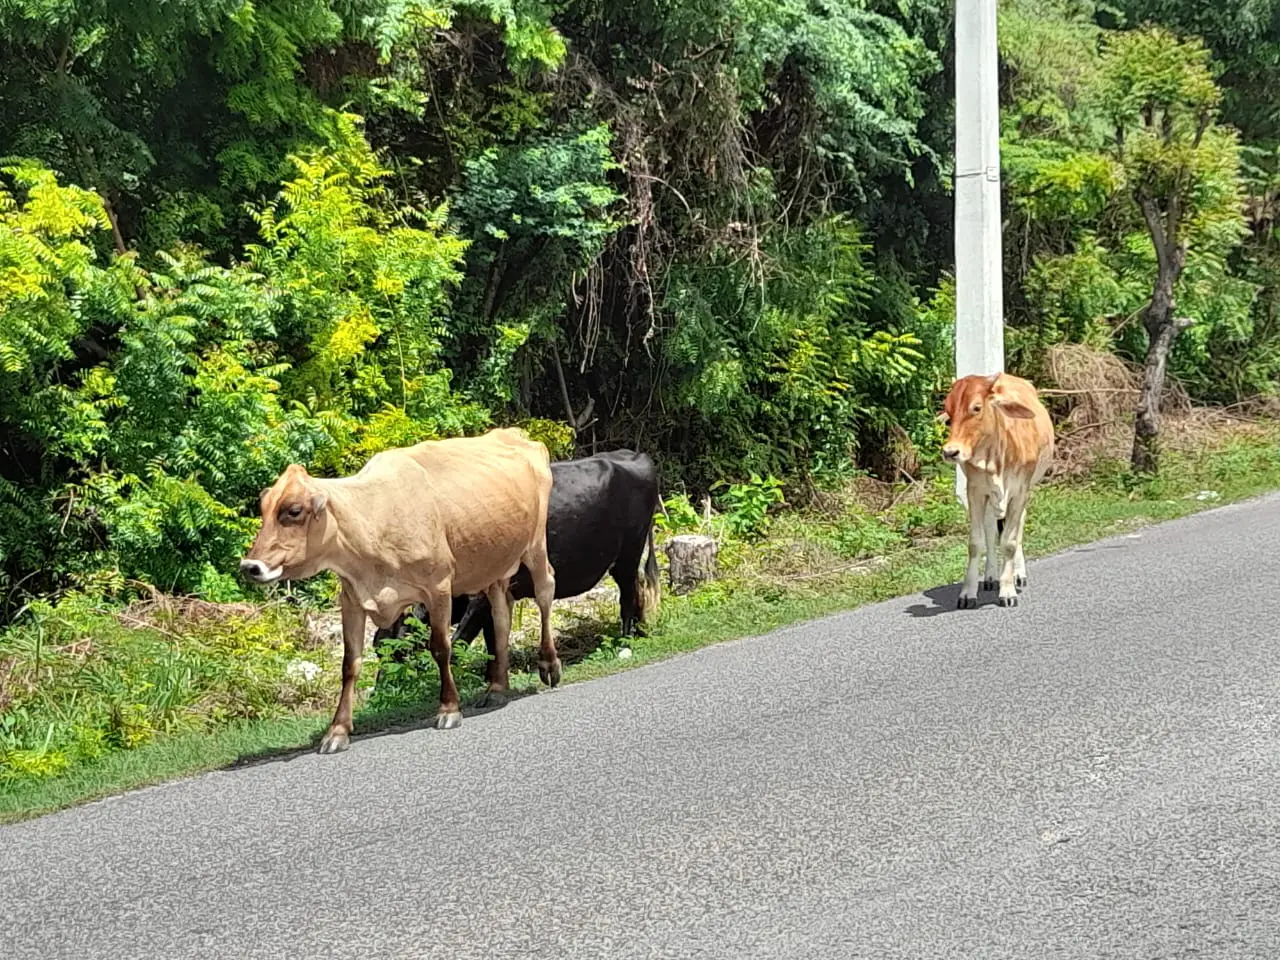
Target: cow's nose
x=950 y=453
x=253 y=569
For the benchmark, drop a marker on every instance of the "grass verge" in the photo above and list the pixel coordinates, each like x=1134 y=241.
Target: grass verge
x=812 y=563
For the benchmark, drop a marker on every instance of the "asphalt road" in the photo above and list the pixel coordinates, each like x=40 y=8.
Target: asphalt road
x=1093 y=774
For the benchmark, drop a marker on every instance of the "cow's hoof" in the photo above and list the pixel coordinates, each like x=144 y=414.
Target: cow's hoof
x=550 y=674
x=448 y=720
x=1020 y=581
x=335 y=741
x=1009 y=601
x=492 y=698
x=967 y=603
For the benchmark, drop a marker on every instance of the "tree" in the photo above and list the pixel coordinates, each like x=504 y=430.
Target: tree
x=1182 y=171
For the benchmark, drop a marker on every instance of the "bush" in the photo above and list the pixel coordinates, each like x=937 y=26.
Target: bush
x=77 y=680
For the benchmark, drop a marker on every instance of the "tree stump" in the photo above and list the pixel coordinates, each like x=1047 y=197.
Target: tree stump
x=691 y=560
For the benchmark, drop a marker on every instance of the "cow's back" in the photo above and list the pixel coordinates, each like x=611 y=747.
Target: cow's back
x=601 y=507
x=483 y=500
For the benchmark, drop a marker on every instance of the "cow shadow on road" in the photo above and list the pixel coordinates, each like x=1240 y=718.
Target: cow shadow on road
x=372 y=723
x=575 y=642
x=944 y=600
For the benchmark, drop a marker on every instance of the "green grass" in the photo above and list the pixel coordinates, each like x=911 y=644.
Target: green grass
x=751 y=598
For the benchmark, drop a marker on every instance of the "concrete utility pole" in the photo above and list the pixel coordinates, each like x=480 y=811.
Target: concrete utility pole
x=979 y=267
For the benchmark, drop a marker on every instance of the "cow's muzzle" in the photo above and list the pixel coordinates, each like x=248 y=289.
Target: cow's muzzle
x=259 y=572
x=951 y=454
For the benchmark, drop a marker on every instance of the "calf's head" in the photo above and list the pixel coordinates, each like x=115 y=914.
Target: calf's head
x=293 y=514
x=973 y=408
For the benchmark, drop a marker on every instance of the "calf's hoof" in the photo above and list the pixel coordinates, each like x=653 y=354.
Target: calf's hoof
x=335 y=741
x=967 y=603
x=1020 y=581
x=448 y=719
x=1009 y=601
x=549 y=673
x=991 y=583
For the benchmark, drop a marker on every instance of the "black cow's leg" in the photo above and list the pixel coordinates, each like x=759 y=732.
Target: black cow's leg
x=498 y=636
x=397 y=631
x=626 y=574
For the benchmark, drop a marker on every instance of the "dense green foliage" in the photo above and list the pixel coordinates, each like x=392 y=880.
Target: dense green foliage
x=239 y=233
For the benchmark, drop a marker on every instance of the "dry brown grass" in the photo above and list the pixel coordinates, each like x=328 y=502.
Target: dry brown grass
x=178 y=616
x=160 y=611
x=1092 y=395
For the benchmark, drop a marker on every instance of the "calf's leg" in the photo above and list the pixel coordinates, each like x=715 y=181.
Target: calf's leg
x=991 y=578
x=338 y=737
x=977 y=496
x=1011 y=547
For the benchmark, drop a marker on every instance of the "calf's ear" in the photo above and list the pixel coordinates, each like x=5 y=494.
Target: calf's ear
x=318 y=503
x=1013 y=408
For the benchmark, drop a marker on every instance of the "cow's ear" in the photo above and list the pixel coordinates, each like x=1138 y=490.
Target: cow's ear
x=263 y=493
x=991 y=380
x=1015 y=408
x=318 y=502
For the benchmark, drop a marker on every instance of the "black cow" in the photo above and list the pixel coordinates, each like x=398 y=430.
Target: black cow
x=598 y=521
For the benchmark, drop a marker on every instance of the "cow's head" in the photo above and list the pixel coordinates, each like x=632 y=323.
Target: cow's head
x=972 y=408
x=293 y=513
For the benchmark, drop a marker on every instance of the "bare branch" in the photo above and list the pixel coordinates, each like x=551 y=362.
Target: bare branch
x=1151 y=213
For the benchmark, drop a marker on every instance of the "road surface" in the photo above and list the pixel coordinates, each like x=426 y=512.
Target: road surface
x=1095 y=773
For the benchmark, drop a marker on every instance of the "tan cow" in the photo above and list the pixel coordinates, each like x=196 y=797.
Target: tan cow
x=1002 y=437
x=420 y=524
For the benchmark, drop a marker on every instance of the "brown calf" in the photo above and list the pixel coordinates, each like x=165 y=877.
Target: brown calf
x=1002 y=437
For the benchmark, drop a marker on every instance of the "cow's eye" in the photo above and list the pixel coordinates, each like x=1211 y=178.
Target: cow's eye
x=295 y=511
x=977 y=408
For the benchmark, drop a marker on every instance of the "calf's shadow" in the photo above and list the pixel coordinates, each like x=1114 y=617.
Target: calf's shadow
x=944 y=599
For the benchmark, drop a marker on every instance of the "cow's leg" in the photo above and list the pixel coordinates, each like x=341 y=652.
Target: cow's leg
x=498 y=669
x=626 y=573
x=491 y=647
x=544 y=591
x=476 y=617
x=338 y=737
x=977 y=496
x=439 y=606
x=1019 y=560
x=1011 y=548
x=398 y=631
x=991 y=579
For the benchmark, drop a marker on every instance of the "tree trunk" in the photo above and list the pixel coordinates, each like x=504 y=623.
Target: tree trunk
x=1161 y=327
x=691 y=561
x=1146 y=424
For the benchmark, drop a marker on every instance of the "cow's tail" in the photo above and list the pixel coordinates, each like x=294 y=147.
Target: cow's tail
x=649 y=594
